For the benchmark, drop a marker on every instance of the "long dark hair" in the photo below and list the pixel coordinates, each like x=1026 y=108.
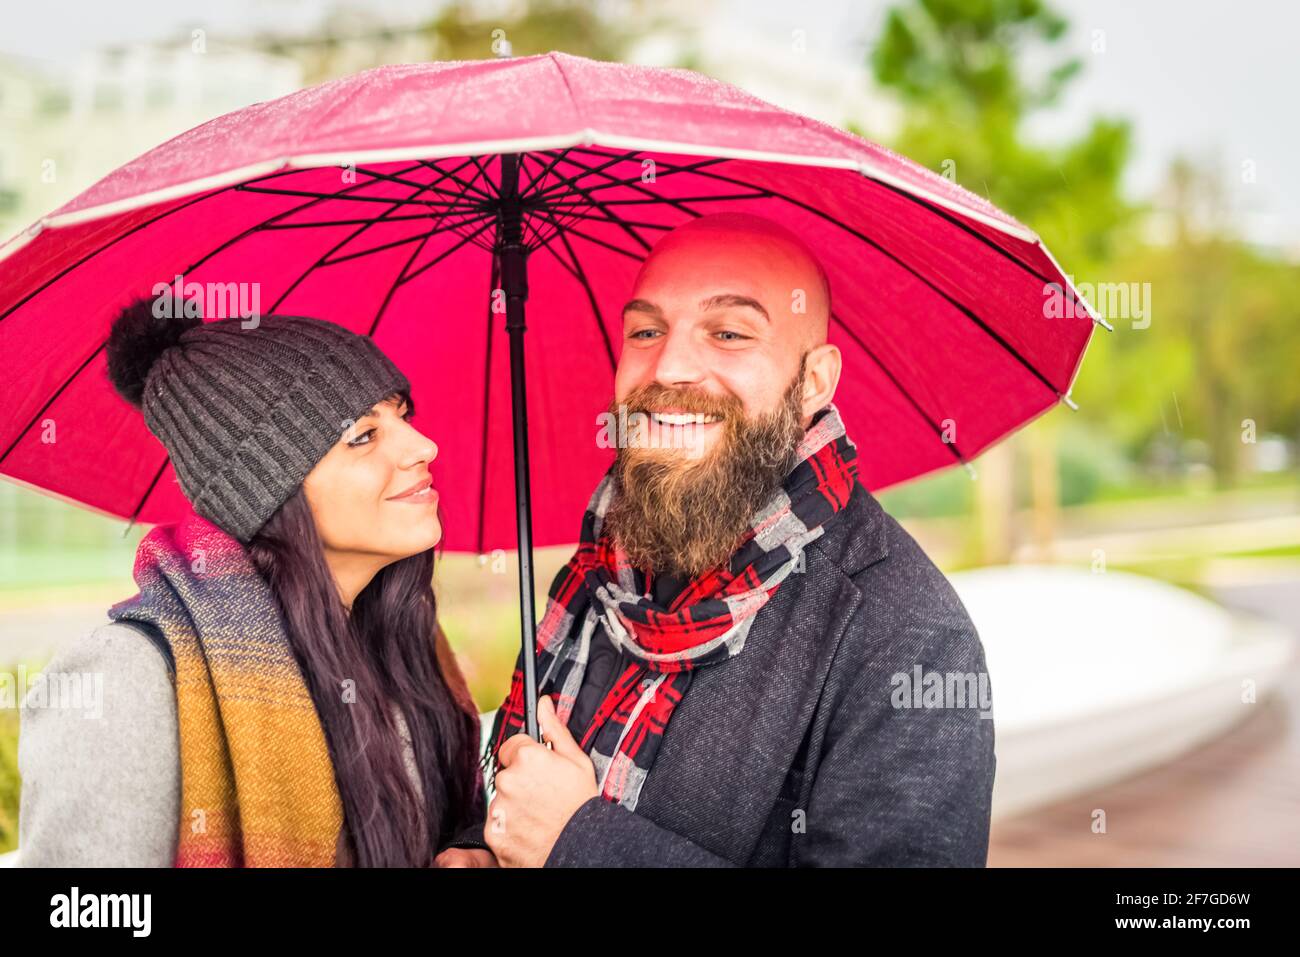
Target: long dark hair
x=357 y=667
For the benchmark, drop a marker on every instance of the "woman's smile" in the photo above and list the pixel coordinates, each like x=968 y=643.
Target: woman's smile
x=421 y=493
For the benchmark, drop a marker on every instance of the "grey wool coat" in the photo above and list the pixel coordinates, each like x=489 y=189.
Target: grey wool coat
x=798 y=751
x=101 y=786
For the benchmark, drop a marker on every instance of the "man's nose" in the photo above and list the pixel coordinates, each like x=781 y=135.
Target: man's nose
x=678 y=362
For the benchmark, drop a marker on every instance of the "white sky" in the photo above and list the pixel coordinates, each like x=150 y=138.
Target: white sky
x=1213 y=79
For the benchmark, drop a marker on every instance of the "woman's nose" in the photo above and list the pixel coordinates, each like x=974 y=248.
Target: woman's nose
x=426 y=449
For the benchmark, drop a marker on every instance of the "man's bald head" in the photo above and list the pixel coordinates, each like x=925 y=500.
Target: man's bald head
x=749 y=247
x=725 y=360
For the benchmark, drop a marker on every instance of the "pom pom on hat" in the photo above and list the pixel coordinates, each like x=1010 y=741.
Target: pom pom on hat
x=137 y=338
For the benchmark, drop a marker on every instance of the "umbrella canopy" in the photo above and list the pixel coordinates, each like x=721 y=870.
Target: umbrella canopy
x=380 y=201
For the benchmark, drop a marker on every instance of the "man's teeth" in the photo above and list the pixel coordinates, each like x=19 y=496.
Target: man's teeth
x=683 y=418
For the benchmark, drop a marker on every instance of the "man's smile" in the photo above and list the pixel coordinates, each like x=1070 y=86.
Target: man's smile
x=684 y=418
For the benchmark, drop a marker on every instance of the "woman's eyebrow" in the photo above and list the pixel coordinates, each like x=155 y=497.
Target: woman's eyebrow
x=373 y=411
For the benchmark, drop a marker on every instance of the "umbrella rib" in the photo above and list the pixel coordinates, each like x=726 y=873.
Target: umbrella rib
x=545 y=170
x=102 y=346
x=273 y=222
x=600 y=242
x=494 y=190
x=952 y=446
x=631 y=181
x=937 y=210
x=464 y=185
x=554 y=223
x=532 y=235
x=443 y=174
x=147 y=492
x=493 y=279
x=540 y=178
x=383 y=307
x=271 y=227
x=636 y=237
x=580 y=274
x=68 y=382
x=964 y=227
x=445 y=253
x=636 y=184
x=613 y=160
x=117 y=239
x=966 y=311
x=450 y=227
x=607 y=219
x=50 y=401
x=382 y=217
x=314 y=194
x=386 y=177
x=670 y=200
x=676 y=202
x=591 y=299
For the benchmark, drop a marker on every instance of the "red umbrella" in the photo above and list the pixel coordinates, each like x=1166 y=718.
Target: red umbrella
x=423 y=204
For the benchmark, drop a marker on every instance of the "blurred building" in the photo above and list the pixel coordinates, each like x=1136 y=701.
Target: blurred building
x=64 y=126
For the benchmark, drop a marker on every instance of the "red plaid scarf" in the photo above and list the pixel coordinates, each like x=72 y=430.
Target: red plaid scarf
x=705 y=624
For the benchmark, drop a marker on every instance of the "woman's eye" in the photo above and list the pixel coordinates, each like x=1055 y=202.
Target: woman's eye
x=364 y=435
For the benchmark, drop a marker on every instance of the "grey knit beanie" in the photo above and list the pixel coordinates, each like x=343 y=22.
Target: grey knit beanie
x=245 y=413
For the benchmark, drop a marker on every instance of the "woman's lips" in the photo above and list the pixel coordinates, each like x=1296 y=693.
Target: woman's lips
x=422 y=493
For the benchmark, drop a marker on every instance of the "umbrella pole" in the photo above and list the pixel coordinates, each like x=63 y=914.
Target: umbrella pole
x=514 y=282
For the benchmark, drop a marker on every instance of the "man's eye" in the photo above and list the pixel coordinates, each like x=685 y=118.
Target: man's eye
x=642 y=333
x=734 y=335
x=364 y=435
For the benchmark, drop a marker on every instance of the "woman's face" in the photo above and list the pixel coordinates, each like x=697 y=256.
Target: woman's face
x=371 y=495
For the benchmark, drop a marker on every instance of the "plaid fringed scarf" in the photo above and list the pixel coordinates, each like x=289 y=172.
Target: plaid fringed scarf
x=705 y=624
x=257 y=782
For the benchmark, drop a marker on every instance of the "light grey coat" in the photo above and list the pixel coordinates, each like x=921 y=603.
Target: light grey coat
x=101 y=783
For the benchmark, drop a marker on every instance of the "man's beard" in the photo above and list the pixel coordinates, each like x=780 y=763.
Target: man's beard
x=683 y=515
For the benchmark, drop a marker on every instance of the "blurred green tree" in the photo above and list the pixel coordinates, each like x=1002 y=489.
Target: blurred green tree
x=960 y=68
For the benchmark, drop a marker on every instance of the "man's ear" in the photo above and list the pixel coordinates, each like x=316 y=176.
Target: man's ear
x=821 y=377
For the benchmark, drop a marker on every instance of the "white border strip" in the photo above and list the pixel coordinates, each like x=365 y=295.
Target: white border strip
x=584 y=137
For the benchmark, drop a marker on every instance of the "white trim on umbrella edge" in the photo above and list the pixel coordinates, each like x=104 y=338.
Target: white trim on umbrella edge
x=585 y=137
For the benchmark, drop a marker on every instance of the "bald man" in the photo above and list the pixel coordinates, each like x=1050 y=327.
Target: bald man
x=733 y=663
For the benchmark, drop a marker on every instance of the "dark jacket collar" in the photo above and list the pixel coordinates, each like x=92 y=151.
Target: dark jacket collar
x=855 y=537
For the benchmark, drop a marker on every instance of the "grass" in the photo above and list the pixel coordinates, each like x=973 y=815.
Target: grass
x=10 y=784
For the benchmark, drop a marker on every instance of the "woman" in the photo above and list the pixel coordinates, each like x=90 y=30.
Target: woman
x=279 y=692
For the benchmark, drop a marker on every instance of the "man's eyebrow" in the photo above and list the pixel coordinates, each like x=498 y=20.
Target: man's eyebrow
x=643 y=305
x=731 y=300
x=722 y=301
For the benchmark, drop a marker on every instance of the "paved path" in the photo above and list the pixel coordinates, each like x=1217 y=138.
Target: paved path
x=1234 y=802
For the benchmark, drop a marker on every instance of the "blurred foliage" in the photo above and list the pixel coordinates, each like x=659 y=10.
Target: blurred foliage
x=1217 y=344
x=959 y=67
x=9 y=781
x=464 y=32
x=1220 y=351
